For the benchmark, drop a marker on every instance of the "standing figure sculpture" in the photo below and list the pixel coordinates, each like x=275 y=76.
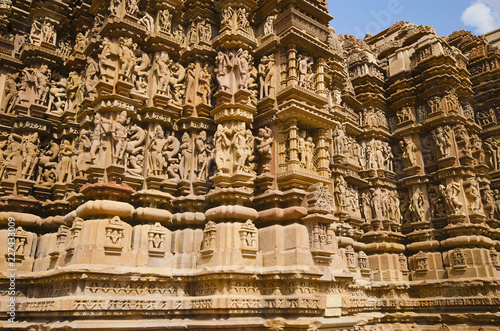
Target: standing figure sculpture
x=450 y=196
x=186 y=151
x=442 y=139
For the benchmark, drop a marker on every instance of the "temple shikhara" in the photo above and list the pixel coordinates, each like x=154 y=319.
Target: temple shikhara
x=237 y=165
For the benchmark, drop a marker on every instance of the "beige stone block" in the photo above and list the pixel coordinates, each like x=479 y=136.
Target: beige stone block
x=285 y=246
x=104 y=241
x=333 y=305
x=186 y=244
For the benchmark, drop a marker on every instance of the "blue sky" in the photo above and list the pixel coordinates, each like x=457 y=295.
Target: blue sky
x=360 y=16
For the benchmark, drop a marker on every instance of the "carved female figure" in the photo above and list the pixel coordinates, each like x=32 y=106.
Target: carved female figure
x=42 y=83
x=222 y=146
x=11 y=94
x=65 y=165
x=204 y=83
x=119 y=132
x=341 y=193
x=309 y=153
x=450 y=196
x=186 y=151
x=443 y=140
x=29 y=151
x=417 y=205
x=155 y=148
x=202 y=155
x=338 y=139
x=100 y=128
x=190 y=82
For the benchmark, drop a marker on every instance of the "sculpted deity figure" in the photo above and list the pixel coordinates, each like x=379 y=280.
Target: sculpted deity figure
x=176 y=82
x=417 y=206
x=301 y=147
x=12 y=153
x=48 y=32
x=30 y=148
x=134 y=151
x=192 y=35
x=475 y=196
x=35 y=84
x=19 y=41
x=101 y=127
x=434 y=104
x=148 y=21
x=489 y=203
x=203 y=155
x=442 y=139
x=64 y=168
x=36 y=34
x=242 y=62
x=222 y=149
x=264 y=143
x=47 y=164
x=132 y=7
x=161 y=69
x=74 y=91
x=341 y=193
x=81 y=159
x=165 y=21
x=205 y=85
x=242 y=19
x=155 y=152
x=110 y=51
x=309 y=153
x=492 y=147
x=266 y=76
x=362 y=155
x=91 y=77
x=11 y=93
x=119 y=133
x=64 y=48
x=186 y=159
x=227 y=18
x=262 y=76
x=376 y=203
x=80 y=42
x=388 y=157
x=269 y=25
x=306 y=75
x=190 y=83
x=338 y=140
x=239 y=142
x=409 y=148
x=450 y=196
x=126 y=56
x=43 y=82
x=222 y=71
x=371 y=157
x=179 y=34
x=141 y=69
x=379 y=154
x=205 y=31
x=171 y=148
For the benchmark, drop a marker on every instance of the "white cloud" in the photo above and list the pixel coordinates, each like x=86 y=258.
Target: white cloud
x=481 y=16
